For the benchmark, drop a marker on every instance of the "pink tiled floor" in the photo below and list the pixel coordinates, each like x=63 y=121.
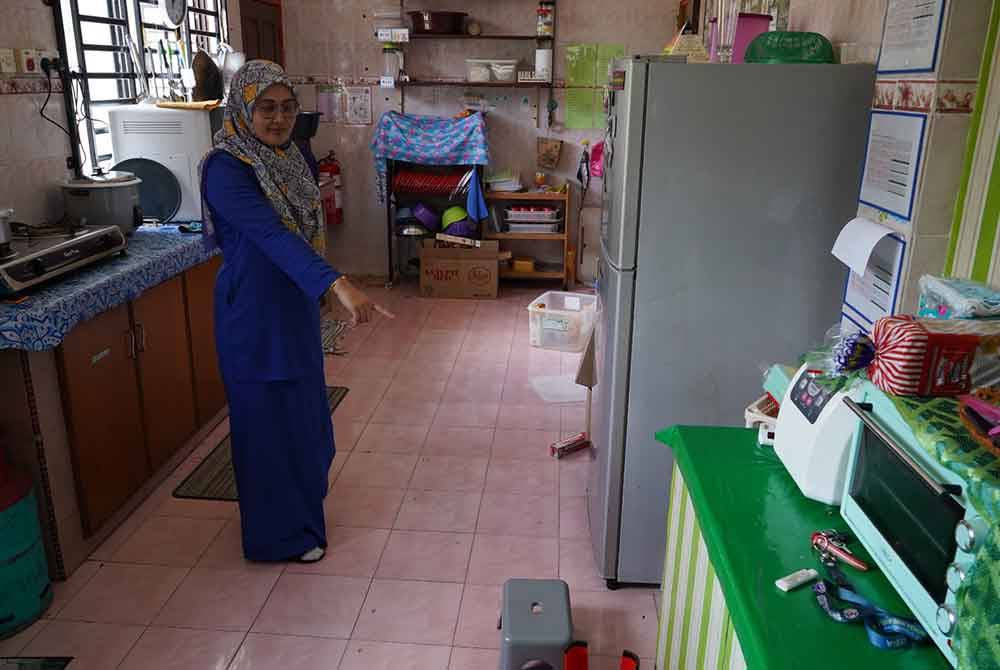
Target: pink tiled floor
x=441 y=490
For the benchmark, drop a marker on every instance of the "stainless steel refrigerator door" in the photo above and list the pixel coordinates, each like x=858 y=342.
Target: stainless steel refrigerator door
x=760 y=169
x=612 y=341
x=623 y=169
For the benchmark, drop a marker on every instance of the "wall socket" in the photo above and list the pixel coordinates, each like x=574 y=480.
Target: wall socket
x=8 y=64
x=51 y=54
x=28 y=61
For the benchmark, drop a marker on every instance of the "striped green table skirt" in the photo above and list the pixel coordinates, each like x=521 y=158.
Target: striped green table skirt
x=696 y=631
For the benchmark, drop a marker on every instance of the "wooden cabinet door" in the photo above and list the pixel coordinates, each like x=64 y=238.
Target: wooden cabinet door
x=199 y=287
x=102 y=407
x=164 y=369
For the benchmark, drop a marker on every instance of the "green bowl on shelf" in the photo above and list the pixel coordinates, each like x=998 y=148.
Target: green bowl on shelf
x=789 y=47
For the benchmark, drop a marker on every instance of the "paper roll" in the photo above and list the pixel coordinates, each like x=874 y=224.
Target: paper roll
x=857 y=241
x=543 y=63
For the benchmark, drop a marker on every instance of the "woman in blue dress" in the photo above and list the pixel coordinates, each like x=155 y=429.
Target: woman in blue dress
x=263 y=210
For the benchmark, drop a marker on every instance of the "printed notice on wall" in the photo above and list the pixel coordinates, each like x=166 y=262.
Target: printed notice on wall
x=893 y=161
x=359 y=105
x=910 y=41
x=873 y=295
x=329 y=102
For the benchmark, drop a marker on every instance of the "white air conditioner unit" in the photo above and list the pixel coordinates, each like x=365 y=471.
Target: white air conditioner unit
x=177 y=139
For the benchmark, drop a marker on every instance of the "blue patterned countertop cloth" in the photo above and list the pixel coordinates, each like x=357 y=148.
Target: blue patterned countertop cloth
x=154 y=255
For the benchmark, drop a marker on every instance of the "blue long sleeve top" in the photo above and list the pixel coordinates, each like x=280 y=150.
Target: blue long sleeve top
x=267 y=313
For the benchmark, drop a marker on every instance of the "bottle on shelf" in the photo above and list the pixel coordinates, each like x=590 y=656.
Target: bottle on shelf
x=546 y=19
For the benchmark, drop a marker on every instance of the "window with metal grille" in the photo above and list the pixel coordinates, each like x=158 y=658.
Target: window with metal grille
x=118 y=50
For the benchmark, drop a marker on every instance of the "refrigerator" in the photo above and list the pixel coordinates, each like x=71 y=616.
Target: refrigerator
x=725 y=187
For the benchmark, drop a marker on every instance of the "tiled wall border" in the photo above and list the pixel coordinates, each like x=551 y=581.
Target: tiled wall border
x=926 y=95
x=28 y=85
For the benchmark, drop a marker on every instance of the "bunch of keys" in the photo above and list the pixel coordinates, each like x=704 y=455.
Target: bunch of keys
x=832 y=547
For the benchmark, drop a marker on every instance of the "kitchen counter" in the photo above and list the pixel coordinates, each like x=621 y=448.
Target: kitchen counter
x=738 y=523
x=110 y=380
x=42 y=319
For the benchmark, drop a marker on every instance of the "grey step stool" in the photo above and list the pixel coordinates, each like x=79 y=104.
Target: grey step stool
x=535 y=623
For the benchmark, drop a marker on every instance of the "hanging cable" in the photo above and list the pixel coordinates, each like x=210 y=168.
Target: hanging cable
x=48 y=96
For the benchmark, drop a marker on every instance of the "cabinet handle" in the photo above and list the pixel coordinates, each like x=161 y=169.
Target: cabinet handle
x=130 y=343
x=141 y=333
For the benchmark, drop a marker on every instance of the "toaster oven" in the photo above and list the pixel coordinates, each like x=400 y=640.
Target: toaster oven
x=911 y=514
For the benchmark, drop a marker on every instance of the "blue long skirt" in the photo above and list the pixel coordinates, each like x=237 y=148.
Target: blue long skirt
x=283 y=447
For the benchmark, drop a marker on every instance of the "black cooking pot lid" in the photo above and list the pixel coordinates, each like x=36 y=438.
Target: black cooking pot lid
x=159 y=192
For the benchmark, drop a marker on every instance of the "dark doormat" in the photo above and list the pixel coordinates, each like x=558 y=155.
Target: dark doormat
x=34 y=663
x=214 y=478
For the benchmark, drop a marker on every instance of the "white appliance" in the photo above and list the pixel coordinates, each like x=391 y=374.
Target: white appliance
x=178 y=139
x=725 y=187
x=813 y=437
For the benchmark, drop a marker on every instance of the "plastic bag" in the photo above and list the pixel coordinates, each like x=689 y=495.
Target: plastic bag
x=942 y=298
x=597 y=160
x=840 y=355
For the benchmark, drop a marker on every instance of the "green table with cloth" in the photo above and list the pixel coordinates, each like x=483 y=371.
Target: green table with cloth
x=737 y=523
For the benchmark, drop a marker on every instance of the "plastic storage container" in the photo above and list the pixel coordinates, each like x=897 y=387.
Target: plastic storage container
x=539 y=216
x=534 y=228
x=561 y=321
x=504 y=70
x=478 y=69
x=25 y=590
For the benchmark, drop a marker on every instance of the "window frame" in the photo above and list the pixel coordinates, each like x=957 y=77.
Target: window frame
x=124 y=19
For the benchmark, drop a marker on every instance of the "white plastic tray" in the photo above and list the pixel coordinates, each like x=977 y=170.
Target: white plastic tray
x=533 y=217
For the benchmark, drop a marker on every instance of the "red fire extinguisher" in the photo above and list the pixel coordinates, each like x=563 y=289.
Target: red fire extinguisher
x=332 y=190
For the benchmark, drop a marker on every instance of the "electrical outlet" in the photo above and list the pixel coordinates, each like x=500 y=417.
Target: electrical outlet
x=51 y=54
x=8 y=64
x=27 y=61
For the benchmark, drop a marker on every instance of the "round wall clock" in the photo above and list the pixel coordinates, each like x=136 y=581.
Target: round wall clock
x=174 y=12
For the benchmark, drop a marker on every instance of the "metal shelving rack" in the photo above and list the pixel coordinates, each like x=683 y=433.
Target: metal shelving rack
x=391 y=199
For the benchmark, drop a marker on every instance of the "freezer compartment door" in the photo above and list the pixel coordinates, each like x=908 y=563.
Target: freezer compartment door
x=623 y=170
x=612 y=344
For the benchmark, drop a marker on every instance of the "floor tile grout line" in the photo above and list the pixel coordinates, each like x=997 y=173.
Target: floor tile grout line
x=153 y=618
x=277 y=580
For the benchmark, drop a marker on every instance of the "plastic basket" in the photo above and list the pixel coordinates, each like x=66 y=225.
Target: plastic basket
x=561 y=321
x=789 y=47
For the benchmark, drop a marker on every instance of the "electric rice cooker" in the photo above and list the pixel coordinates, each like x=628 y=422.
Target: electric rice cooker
x=106 y=199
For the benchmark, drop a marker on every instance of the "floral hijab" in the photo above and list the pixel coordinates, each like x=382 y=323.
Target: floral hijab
x=283 y=173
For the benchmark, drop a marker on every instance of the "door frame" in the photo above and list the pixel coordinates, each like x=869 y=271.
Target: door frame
x=281 y=25
x=975 y=237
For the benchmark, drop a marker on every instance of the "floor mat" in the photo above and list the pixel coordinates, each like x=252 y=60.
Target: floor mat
x=34 y=663
x=214 y=478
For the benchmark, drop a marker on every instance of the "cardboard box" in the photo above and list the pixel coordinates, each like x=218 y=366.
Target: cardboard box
x=459 y=273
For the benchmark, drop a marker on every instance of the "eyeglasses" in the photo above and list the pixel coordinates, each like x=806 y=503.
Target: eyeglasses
x=269 y=108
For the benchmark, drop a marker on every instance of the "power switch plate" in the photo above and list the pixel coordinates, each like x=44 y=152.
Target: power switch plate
x=8 y=64
x=27 y=61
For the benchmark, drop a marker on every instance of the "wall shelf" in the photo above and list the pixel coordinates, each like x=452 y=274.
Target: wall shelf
x=537 y=274
x=428 y=36
x=555 y=237
x=527 y=195
x=472 y=84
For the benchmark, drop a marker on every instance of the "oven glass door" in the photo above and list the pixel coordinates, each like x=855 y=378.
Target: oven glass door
x=917 y=522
